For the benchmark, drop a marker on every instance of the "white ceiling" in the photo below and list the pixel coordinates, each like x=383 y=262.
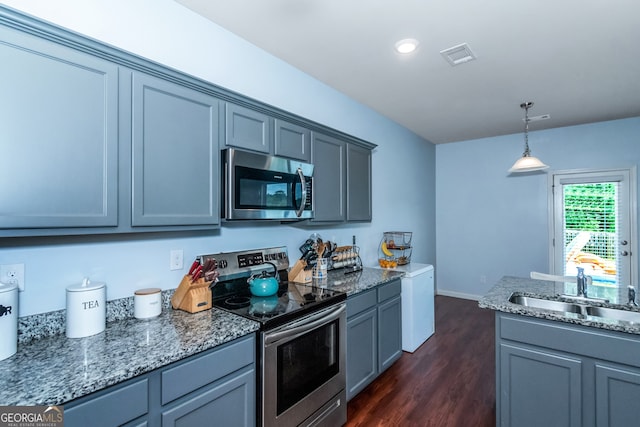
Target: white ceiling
x=577 y=60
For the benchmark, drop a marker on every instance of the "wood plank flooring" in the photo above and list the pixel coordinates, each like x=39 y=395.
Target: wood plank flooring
x=448 y=381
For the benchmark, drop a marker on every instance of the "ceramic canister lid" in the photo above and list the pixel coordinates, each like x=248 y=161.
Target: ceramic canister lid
x=5 y=287
x=147 y=291
x=86 y=285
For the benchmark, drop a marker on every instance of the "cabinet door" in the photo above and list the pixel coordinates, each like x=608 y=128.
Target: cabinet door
x=116 y=406
x=539 y=388
x=389 y=333
x=292 y=141
x=617 y=396
x=175 y=154
x=362 y=349
x=59 y=136
x=358 y=183
x=229 y=403
x=247 y=128
x=328 y=156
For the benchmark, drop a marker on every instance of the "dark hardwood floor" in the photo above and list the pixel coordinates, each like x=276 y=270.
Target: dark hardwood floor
x=448 y=381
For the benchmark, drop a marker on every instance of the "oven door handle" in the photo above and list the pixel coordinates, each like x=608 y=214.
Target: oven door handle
x=300 y=328
x=303 y=200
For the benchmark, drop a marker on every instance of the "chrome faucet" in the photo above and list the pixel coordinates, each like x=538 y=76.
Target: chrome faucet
x=582 y=283
x=632 y=296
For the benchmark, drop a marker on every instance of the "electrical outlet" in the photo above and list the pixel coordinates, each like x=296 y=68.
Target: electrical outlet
x=483 y=279
x=176 y=259
x=12 y=274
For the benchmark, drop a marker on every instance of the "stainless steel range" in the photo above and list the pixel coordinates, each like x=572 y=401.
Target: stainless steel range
x=302 y=342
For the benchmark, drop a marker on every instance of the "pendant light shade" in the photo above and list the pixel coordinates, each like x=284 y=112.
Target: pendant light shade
x=527 y=163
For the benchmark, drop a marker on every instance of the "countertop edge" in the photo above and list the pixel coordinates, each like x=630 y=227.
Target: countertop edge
x=497 y=299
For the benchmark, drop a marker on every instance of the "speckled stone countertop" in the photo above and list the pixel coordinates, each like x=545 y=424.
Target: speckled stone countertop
x=360 y=281
x=51 y=369
x=56 y=369
x=498 y=299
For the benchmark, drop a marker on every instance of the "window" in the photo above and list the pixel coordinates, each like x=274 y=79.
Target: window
x=593 y=228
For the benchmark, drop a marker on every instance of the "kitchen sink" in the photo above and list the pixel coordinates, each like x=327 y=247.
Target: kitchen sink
x=582 y=308
x=613 y=313
x=546 y=304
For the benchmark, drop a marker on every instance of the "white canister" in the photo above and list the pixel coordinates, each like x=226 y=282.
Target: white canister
x=8 y=320
x=147 y=303
x=86 y=309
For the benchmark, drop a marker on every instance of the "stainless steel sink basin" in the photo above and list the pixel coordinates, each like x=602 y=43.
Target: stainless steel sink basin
x=546 y=304
x=615 y=314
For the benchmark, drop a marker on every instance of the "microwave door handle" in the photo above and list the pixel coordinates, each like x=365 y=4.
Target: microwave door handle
x=303 y=201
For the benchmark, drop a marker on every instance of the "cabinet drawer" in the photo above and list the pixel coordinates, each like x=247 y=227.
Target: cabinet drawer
x=113 y=408
x=389 y=290
x=361 y=302
x=204 y=369
x=592 y=342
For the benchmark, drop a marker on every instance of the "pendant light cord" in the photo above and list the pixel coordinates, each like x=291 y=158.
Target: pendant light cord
x=526 y=107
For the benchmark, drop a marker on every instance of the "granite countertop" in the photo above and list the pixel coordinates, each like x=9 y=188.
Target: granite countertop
x=56 y=369
x=498 y=299
x=51 y=369
x=356 y=282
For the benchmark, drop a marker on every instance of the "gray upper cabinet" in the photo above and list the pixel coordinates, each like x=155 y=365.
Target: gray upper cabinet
x=292 y=141
x=328 y=156
x=175 y=164
x=59 y=133
x=248 y=129
x=358 y=183
x=341 y=180
x=96 y=141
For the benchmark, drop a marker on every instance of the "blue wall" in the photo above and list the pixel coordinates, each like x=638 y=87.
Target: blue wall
x=168 y=33
x=491 y=224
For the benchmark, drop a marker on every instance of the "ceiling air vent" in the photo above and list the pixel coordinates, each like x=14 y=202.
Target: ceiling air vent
x=458 y=54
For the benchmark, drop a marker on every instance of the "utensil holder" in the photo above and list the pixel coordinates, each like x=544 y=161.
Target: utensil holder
x=192 y=297
x=320 y=269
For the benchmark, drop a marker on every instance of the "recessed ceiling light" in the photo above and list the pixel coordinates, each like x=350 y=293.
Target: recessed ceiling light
x=406 y=45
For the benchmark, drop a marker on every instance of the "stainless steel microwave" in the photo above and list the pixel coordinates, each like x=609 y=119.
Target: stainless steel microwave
x=263 y=187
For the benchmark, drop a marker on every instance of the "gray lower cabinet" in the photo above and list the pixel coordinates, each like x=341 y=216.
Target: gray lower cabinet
x=374 y=334
x=115 y=406
x=543 y=387
x=227 y=403
x=389 y=329
x=175 y=160
x=214 y=387
x=59 y=134
x=553 y=373
x=247 y=128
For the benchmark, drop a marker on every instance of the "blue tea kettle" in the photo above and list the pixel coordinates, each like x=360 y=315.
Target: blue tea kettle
x=264 y=285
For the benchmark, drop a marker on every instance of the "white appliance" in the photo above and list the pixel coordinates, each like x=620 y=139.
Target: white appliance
x=418 y=313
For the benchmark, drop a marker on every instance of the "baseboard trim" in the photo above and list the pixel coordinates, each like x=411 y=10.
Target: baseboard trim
x=457 y=295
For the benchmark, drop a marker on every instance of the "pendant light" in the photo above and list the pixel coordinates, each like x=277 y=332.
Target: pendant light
x=527 y=163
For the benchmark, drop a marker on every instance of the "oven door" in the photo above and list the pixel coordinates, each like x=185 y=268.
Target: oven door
x=303 y=378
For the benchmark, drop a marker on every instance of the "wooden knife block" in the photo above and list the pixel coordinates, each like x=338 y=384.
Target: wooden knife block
x=192 y=297
x=299 y=274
